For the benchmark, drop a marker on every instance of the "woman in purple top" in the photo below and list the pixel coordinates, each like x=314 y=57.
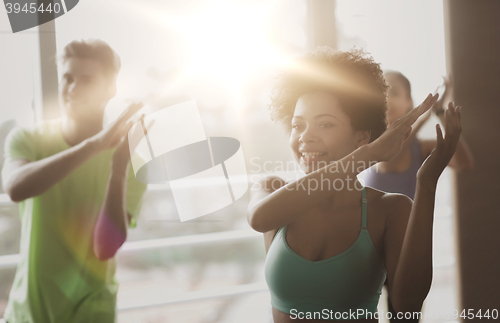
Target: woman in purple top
x=399 y=175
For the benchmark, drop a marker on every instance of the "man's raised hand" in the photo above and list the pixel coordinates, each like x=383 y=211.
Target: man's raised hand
x=113 y=134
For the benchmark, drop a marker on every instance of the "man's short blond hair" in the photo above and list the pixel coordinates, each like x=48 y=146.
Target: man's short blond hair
x=96 y=49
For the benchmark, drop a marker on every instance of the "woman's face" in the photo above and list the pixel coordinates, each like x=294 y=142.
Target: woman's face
x=399 y=101
x=322 y=132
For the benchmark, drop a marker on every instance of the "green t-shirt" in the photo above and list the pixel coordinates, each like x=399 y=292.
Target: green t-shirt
x=59 y=279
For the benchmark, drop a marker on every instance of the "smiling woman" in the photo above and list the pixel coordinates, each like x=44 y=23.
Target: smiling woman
x=319 y=115
x=335 y=92
x=321 y=254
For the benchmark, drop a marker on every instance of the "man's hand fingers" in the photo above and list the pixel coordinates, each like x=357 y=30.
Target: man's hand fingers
x=150 y=124
x=127 y=127
x=132 y=109
x=129 y=112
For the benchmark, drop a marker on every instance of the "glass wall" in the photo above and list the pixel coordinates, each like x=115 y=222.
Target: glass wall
x=16 y=108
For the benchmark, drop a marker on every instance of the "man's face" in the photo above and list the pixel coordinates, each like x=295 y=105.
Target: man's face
x=84 y=89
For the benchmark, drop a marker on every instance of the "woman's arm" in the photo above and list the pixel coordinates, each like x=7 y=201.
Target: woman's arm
x=408 y=249
x=417 y=126
x=288 y=203
x=462 y=160
x=412 y=271
x=261 y=189
x=295 y=199
x=438 y=106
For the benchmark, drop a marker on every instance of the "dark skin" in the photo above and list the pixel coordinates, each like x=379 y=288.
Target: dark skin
x=329 y=231
x=323 y=223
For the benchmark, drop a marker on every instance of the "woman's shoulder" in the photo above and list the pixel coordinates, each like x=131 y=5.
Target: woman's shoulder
x=388 y=203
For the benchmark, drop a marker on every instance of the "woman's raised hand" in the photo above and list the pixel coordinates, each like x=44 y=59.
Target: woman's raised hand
x=389 y=144
x=448 y=85
x=439 y=158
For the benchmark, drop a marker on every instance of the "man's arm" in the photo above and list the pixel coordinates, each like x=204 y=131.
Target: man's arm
x=110 y=231
x=23 y=179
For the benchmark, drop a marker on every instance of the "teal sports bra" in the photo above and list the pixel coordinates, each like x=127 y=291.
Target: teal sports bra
x=346 y=282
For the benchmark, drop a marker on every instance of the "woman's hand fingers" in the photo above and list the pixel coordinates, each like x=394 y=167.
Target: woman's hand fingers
x=459 y=114
x=447 y=118
x=414 y=114
x=453 y=128
x=390 y=142
x=445 y=145
x=407 y=133
x=440 y=139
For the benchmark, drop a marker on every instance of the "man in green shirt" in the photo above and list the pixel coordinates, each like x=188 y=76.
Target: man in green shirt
x=77 y=196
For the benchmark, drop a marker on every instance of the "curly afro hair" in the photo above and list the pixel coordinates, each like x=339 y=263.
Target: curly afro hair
x=352 y=76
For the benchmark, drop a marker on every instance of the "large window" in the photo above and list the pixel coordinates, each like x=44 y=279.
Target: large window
x=16 y=68
x=16 y=108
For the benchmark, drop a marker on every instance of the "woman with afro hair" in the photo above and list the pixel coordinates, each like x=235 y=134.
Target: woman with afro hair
x=331 y=242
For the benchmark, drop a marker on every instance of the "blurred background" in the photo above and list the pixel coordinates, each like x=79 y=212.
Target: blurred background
x=226 y=55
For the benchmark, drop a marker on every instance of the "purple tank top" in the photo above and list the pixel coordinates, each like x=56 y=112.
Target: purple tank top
x=404 y=182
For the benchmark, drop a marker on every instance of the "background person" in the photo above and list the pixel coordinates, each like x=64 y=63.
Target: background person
x=399 y=175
